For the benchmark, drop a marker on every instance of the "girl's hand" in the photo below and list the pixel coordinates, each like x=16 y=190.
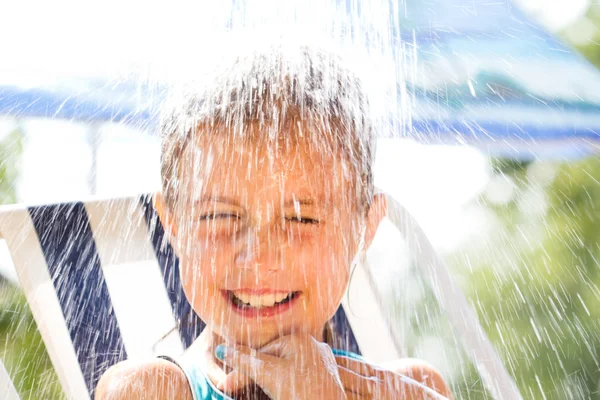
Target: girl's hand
x=204 y=347
x=291 y=367
x=366 y=381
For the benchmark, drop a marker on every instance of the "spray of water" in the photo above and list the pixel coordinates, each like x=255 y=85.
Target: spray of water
x=269 y=111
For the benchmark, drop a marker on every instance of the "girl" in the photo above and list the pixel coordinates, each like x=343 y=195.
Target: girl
x=267 y=198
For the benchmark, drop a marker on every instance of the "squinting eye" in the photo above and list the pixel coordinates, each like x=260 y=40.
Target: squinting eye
x=218 y=216
x=304 y=220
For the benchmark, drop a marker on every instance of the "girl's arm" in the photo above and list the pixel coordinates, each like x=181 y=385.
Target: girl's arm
x=421 y=372
x=135 y=380
x=424 y=381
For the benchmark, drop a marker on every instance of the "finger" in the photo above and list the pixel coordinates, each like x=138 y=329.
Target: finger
x=358 y=384
x=251 y=362
x=211 y=366
x=265 y=370
x=290 y=345
x=233 y=382
x=214 y=371
x=278 y=348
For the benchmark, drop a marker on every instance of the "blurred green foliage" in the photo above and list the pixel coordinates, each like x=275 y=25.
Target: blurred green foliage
x=535 y=277
x=21 y=348
x=549 y=318
x=584 y=34
x=535 y=280
x=11 y=147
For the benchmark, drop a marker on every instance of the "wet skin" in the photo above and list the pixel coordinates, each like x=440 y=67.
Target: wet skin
x=251 y=220
x=264 y=235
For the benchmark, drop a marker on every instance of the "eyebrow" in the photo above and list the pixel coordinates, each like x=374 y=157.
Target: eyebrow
x=227 y=200
x=302 y=202
x=218 y=199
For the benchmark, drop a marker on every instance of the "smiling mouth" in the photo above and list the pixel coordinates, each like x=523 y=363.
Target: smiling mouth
x=264 y=305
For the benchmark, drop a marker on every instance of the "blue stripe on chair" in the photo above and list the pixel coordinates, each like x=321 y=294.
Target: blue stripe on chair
x=68 y=246
x=341 y=326
x=190 y=324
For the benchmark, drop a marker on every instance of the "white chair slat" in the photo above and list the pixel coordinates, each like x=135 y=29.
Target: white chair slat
x=119 y=231
x=363 y=307
x=17 y=229
x=133 y=278
x=7 y=389
x=452 y=300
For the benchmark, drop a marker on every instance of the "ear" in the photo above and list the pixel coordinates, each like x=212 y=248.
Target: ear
x=377 y=212
x=165 y=215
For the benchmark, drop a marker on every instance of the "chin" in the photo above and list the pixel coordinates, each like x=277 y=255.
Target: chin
x=254 y=340
x=254 y=335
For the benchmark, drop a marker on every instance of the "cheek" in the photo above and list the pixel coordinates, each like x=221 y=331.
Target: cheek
x=327 y=268
x=202 y=286
x=201 y=278
x=202 y=260
x=326 y=289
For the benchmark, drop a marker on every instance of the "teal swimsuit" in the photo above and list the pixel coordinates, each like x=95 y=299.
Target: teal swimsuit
x=202 y=387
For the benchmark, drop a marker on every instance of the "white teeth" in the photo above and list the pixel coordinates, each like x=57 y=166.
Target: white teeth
x=280 y=296
x=255 y=301
x=243 y=297
x=266 y=300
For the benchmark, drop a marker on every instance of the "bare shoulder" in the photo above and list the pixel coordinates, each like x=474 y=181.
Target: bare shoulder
x=137 y=380
x=422 y=372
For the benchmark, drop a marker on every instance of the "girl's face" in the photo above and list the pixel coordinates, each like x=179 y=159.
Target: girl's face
x=266 y=238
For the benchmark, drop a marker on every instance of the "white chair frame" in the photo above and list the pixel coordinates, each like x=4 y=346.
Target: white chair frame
x=7 y=389
x=127 y=241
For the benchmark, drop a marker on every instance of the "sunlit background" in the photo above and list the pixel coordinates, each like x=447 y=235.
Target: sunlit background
x=480 y=212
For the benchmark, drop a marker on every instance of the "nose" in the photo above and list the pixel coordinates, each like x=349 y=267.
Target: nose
x=260 y=251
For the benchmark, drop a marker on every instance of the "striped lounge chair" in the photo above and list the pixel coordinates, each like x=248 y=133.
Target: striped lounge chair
x=103 y=285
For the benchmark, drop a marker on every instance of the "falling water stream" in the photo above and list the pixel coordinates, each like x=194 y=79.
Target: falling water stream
x=494 y=281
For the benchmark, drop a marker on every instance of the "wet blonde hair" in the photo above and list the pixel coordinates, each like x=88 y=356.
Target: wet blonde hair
x=278 y=89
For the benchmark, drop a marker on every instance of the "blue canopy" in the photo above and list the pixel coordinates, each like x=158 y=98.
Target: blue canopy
x=482 y=73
